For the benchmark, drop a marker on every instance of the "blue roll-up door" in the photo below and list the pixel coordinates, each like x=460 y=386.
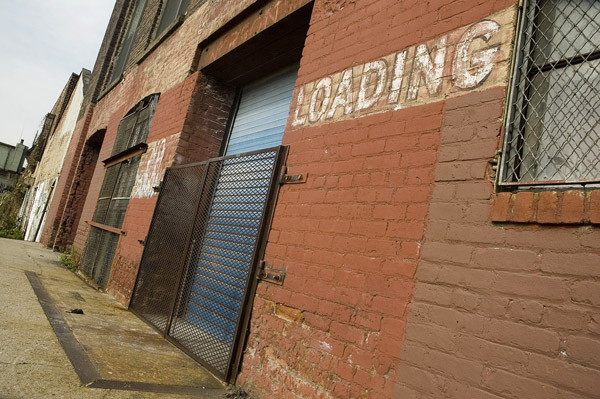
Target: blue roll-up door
x=262 y=113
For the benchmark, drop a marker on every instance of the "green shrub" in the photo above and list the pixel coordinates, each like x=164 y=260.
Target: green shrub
x=9 y=229
x=70 y=260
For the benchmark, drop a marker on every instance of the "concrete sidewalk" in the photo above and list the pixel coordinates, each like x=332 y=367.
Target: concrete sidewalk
x=109 y=346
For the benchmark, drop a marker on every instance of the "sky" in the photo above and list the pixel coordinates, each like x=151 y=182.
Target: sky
x=41 y=43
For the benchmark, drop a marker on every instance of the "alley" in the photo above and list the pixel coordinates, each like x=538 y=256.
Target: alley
x=120 y=350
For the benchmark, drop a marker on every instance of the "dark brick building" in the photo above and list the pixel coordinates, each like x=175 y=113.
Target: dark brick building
x=433 y=233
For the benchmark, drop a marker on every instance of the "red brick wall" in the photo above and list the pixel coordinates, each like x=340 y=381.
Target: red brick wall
x=351 y=236
x=499 y=310
x=349 y=239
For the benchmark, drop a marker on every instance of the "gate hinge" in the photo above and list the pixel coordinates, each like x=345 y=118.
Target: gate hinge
x=275 y=276
x=292 y=179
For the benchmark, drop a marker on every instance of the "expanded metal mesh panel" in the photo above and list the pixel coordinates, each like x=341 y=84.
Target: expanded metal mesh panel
x=91 y=250
x=99 y=252
x=165 y=250
x=198 y=292
x=133 y=128
x=554 y=128
x=124 y=130
x=213 y=297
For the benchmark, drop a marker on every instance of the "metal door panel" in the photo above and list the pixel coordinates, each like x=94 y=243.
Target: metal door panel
x=224 y=241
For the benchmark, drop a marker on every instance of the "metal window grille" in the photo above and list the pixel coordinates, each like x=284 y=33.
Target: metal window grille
x=116 y=188
x=553 y=128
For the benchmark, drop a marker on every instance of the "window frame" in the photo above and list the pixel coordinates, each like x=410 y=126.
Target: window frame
x=121 y=58
x=518 y=103
x=124 y=157
x=163 y=28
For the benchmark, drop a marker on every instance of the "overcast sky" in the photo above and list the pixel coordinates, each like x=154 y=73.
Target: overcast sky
x=41 y=43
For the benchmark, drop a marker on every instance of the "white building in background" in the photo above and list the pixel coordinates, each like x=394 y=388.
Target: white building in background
x=46 y=174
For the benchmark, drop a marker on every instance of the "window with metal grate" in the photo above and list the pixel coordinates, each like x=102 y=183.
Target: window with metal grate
x=118 y=183
x=123 y=56
x=553 y=125
x=169 y=13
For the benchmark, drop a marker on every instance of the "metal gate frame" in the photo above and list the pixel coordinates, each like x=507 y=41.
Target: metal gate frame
x=186 y=262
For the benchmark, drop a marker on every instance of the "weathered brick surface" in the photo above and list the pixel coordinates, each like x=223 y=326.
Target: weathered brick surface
x=73 y=199
x=500 y=310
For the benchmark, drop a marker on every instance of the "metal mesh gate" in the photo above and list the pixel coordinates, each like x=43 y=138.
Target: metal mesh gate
x=207 y=235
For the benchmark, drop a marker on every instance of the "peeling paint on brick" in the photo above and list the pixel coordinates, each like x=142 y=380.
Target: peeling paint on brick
x=154 y=162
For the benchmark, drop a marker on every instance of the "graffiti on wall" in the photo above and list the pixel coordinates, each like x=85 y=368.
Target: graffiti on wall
x=468 y=58
x=158 y=157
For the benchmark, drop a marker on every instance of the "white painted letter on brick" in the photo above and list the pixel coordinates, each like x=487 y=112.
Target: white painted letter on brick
x=299 y=120
x=380 y=69
x=397 y=77
x=431 y=70
x=343 y=95
x=324 y=85
x=469 y=72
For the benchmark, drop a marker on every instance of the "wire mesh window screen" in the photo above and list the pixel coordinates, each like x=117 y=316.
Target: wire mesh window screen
x=133 y=128
x=554 y=127
x=121 y=60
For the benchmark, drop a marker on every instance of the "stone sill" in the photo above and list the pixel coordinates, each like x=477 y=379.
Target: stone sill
x=547 y=207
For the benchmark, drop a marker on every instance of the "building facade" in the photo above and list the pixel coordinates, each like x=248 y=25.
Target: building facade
x=11 y=159
x=64 y=117
x=351 y=198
